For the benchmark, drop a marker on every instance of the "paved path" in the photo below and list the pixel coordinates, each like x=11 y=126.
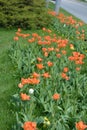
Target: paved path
x=78 y=9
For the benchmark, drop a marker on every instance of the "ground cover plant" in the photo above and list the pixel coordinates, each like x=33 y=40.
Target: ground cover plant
x=26 y=14
x=52 y=73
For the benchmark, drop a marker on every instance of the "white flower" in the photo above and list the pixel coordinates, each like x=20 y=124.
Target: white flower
x=64 y=25
x=31 y=91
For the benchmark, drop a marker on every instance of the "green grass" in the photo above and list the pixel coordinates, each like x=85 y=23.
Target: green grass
x=83 y=1
x=7 y=81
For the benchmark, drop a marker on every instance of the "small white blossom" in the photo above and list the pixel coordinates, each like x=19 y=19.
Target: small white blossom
x=31 y=91
x=64 y=25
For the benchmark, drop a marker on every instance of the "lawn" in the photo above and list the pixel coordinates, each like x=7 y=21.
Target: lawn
x=8 y=82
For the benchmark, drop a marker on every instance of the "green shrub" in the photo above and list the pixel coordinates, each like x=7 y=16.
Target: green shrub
x=25 y=13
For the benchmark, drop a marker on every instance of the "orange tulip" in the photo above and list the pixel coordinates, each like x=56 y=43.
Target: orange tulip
x=46 y=54
x=46 y=75
x=39 y=59
x=24 y=96
x=29 y=125
x=77 y=68
x=81 y=126
x=40 y=66
x=63 y=52
x=44 y=49
x=35 y=75
x=56 y=96
x=19 y=30
x=44 y=29
x=64 y=76
x=16 y=38
x=30 y=81
x=20 y=85
x=49 y=63
x=65 y=69
x=58 y=55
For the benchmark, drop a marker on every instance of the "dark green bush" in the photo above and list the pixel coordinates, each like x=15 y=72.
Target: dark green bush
x=23 y=13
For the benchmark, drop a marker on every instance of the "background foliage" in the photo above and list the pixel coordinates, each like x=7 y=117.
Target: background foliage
x=26 y=14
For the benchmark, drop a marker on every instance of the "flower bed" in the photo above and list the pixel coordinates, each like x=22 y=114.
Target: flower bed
x=52 y=89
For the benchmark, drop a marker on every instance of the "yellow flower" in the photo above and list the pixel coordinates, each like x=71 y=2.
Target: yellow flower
x=72 y=48
x=46 y=122
x=45 y=118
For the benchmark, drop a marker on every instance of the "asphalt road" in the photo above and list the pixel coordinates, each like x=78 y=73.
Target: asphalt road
x=78 y=9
